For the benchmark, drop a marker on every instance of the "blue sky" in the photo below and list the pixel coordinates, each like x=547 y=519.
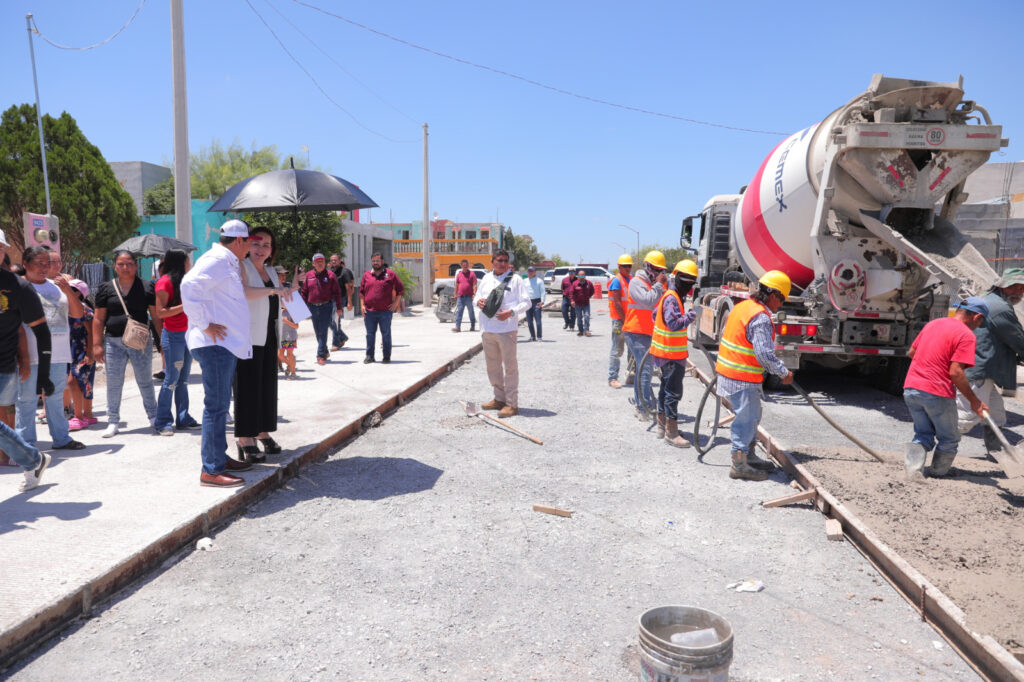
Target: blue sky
x=564 y=170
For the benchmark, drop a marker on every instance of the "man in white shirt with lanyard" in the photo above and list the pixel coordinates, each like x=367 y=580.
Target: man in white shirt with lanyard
x=498 y=331
x=218 y=336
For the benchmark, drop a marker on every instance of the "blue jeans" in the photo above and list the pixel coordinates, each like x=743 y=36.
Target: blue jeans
x=638 y=345
x=321 y=315
x=118 y=355
x=338 y=335
x=26 y=407
x=583 y=317
x=465 y=303
x=23 y=454
x=671 y=389
x=934 y=420
x=218 y=365
x=568 y=313
x=178 y=366
x=618 y=345
x=746 y=405
x=374 y=319
x=9 y=387
x=533 y=319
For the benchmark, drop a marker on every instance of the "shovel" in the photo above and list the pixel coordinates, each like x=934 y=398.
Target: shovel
x=1009 y=457
x=473 y=410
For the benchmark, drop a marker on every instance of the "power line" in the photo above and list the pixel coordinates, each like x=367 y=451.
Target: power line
x=35 y=27
x=538 y=84
x=349 y=73
x=317 y=84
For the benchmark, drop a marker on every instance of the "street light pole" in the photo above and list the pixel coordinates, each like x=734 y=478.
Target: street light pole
x=428 y=270
x=182 y=172
x=39 y=114
x=637 y=237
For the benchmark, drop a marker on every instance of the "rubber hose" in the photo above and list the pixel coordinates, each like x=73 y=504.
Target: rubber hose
x=836 y=426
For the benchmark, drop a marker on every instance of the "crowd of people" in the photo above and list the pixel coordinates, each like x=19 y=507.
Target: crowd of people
x=229 y=311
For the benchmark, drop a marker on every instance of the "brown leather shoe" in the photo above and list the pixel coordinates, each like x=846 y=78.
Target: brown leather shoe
x=222 y=480
x=493 y=405
x=508 y=411
x=235 y=465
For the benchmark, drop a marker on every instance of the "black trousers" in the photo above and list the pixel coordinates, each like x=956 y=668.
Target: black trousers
x=256 y=388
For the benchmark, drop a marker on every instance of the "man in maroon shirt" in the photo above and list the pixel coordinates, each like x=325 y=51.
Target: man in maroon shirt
x=581 y=292
x=465 y=287
x=380 y=291
x=938 y=357
x=319 y=290
x=568 y=311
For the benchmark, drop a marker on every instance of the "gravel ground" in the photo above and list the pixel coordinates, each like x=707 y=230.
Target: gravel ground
x=413 y=554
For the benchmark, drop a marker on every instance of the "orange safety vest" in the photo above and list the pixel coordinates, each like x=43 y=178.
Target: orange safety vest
x=736 y=358
x=624 y=289
x=664 y=342
x=638 y=320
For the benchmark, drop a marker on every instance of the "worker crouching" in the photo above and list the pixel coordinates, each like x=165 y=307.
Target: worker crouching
x=746 y=351
x=669 y=349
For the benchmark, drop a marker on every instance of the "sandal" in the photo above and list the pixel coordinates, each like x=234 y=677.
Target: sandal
x=76 y=424
x=270 y=446
x=71 y=445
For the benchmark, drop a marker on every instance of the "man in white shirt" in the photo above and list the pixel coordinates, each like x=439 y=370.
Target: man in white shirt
x=218 y=336
x=498 y=330
x=535 y=290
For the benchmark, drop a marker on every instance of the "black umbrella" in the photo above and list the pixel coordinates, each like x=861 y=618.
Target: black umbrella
x=292 y=190
x=152 y=245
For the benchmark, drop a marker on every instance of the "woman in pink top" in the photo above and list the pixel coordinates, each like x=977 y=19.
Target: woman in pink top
x=179 y=361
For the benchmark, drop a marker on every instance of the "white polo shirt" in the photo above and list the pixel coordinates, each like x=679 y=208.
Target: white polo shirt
x=212 y=292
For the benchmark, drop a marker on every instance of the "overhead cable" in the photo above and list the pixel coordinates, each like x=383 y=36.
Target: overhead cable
x=35 y=27
x=318 y=86
x=538 y=84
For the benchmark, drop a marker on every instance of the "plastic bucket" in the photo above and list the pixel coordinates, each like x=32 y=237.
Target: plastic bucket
x=662 y=660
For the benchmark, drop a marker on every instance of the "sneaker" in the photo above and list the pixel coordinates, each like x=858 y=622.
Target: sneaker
x=367 y=360
x=33 y=477
x=166 y=431
x=76 y=424
x=159 y=376
x=187 y=426
x=111 y=431
x=386 y=361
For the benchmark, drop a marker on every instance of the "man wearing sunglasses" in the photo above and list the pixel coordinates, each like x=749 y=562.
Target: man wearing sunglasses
x=502 y=298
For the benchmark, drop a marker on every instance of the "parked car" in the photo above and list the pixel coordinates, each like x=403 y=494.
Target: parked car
x=596 y=275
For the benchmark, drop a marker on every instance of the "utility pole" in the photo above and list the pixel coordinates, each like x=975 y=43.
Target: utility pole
x=182 y=173
x=428 y=270
x=637 y=238
x=39 y=114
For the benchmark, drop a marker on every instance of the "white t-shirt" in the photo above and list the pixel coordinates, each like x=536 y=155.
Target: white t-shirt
x=55 y=307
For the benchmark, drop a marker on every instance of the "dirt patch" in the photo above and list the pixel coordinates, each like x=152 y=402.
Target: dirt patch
x=964 y=532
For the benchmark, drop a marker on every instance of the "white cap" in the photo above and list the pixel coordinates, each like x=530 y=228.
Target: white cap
x=234 y=228
x=3 y=239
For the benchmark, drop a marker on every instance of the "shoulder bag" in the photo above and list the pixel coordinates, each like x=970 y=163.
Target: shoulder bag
x=136 y=334
x=493 y=302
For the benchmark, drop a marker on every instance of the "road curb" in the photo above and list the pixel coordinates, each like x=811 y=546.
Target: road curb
x=25 y=636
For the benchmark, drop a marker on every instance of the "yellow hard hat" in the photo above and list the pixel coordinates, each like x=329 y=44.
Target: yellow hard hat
x=778 y=280
x=687 y=267
x=655 y=258
x=625 y=259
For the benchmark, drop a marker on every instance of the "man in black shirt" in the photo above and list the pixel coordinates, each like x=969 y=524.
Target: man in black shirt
x=19 y=303
x=345 y=283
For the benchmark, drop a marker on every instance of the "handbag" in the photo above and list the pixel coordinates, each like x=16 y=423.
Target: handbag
x=493 y=302
x=136 y=334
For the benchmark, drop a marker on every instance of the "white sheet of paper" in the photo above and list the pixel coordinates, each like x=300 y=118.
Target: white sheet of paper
x=297 y=308
x=350 y=313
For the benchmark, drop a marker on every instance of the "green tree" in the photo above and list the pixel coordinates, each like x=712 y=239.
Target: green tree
x=524 y=251
x=409 y=280
x=94 y=210
x=216 y=167
x=298 y=240
x=159 y=199
x=558 y=260
x=673 y=254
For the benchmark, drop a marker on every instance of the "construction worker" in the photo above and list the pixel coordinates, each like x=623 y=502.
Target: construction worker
x=999 y=346
x=644 y=292
x=617 y=309
x=746 y=351
x=669 y=349
x=938 y=358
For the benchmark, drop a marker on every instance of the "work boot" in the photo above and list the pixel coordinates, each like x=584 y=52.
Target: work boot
x=472 y=327
x=914 y=456
x=740 y=468
x=992 y=442
x=493 y=405
x=942 y=462
x=672 y=435
x=508 y=411
x=661 y=425
x=756 y=462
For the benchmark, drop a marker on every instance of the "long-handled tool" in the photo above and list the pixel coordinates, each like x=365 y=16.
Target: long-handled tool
x=1009 y=458
x=473 y=410
x=837 y=427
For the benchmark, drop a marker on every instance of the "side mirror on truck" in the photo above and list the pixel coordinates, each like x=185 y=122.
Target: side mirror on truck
x=686 y=236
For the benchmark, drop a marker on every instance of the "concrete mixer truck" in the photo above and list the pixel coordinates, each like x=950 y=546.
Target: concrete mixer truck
x=858 y=210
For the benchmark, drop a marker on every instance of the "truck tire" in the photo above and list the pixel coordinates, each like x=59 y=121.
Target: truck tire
x=889 y=377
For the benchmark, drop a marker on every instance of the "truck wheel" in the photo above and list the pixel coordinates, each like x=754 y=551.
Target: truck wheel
x=890 y=376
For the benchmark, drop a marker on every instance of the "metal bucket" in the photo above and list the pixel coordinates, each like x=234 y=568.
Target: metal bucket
x=662 y=660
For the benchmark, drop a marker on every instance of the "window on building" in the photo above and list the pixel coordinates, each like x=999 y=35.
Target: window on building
x=470 y=234
x=405 y=234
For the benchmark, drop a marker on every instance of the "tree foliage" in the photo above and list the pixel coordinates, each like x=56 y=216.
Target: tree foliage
x=298 y=240
x=524 y=251
x=216 y=167
x=558 y=260
x=95 y=212
x=673 y=254
x=159 y=199
x=409 y=280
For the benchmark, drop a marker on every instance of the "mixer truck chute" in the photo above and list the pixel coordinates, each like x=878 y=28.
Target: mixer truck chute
x=858 y=210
